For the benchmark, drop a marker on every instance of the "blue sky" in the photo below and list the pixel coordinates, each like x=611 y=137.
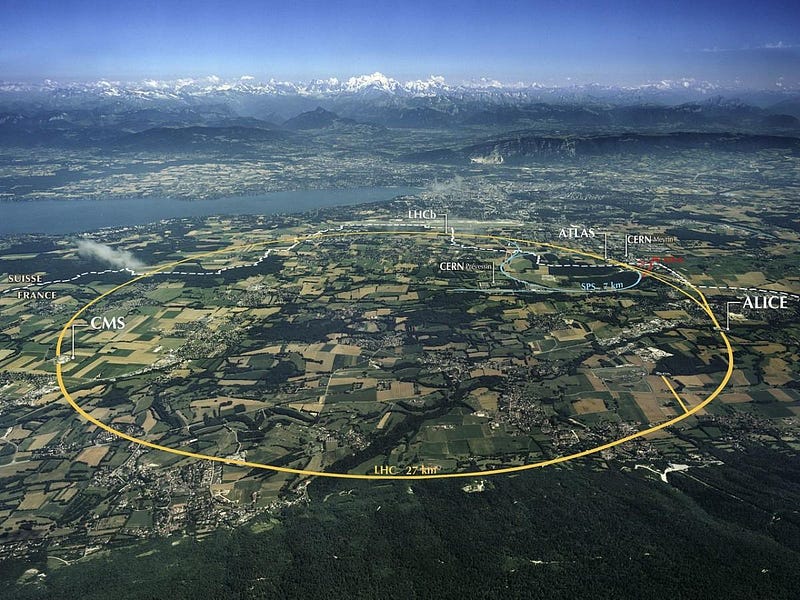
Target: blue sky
x=549 y=41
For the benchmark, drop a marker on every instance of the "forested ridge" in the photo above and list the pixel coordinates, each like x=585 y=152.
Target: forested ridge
x=571 y=532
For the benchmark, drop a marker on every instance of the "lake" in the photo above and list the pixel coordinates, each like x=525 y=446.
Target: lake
x=73 y=216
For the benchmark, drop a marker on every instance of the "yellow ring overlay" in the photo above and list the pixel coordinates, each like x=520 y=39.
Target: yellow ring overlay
x=694 y=294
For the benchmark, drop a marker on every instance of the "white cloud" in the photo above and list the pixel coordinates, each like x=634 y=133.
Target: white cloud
x=116 y=258
x=779 y=45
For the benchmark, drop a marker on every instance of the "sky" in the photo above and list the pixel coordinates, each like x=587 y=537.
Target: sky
x=756 y=44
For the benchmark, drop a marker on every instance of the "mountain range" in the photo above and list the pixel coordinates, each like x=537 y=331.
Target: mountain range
x=216 y=114
x=379 y=87
x=527 y=146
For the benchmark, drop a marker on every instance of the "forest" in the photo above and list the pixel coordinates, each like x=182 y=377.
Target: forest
x=590 y=530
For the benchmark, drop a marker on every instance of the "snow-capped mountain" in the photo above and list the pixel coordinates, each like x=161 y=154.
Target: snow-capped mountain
x=248 y=96
x=160 y=89
x=377 y=100
x=374 y=84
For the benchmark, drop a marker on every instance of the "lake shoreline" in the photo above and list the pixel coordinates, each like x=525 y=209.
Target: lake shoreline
x=71 y=216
